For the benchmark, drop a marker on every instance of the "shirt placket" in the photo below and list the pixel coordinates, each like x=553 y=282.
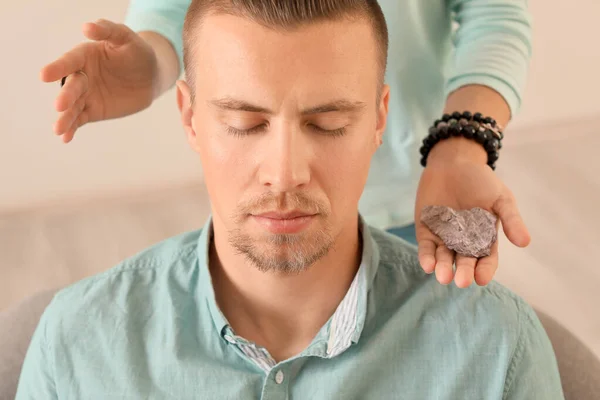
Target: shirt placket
x=277 y=383
x=277 y=376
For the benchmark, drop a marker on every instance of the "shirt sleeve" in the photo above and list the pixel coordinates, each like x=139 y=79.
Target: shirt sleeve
x=164 y=17
x=492 y=47
x=37 y=374
x=533 y=372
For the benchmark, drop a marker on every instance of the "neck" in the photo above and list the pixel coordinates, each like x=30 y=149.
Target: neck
x=282 y=312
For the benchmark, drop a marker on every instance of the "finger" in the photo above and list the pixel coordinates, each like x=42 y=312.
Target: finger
x=68 y=63
x=486 y=267
x=68 y=137
x=512 y=222
x=427 y=255
x=95 y=31
x=67 y=118
x=465 y=271
x=115 y=34
x=75 y=87
x=81 y=120
x=444 y=266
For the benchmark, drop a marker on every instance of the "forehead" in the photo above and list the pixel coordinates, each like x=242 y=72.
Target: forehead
x=233 y=51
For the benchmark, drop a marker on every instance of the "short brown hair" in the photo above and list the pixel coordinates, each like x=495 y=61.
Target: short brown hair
x=287 y=15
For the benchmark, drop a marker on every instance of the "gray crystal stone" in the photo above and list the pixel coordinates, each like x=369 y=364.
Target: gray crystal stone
x=468 y=232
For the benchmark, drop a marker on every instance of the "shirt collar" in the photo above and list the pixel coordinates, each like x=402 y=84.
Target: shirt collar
x=207 y=289
x=347 y=322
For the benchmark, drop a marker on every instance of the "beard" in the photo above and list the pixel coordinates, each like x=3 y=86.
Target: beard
x=283 y=253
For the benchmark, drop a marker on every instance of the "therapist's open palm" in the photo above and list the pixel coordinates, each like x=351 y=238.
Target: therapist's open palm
x=119 y=70
x=464 y=184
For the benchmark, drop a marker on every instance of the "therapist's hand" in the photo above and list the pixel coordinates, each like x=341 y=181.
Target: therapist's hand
x=120 y=77
x=457 y=176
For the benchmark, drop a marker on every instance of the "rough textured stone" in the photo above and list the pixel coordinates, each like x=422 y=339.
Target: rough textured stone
x=468 y=232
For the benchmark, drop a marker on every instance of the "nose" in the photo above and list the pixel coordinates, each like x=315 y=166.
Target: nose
x=286 y=156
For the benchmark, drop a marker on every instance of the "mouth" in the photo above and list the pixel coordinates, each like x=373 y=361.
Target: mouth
x=288 y=222
x=277 y=215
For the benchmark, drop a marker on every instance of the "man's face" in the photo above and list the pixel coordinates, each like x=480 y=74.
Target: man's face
x=285 y=124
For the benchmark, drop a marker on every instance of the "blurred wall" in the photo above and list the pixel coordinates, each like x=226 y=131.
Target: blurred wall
x=149 y=149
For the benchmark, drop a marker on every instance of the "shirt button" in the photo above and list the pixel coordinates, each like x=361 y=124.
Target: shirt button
x=279 y=377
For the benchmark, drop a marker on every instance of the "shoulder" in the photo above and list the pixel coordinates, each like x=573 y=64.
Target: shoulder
x=133 y=284
x=487 y=327
x=493 y=308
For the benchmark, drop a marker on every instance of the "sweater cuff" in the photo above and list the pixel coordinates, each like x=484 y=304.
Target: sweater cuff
x=506 y=90
x=162 y=25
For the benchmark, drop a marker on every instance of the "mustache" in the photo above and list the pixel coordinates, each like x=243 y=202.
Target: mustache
x=287 y=201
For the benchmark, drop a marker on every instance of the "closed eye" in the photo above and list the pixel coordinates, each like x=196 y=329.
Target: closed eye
x=244 y=132
x=330 y=132
x=260 y=128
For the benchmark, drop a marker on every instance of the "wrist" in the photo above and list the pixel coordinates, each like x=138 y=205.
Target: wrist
x=457 y=149
x=165 y=68
x=158 y=85
x=482 y=99
x=453 y=129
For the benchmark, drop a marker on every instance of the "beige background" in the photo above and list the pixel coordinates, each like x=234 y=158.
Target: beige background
x=53 y=196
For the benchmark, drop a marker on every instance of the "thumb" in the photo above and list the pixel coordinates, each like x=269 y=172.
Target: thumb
x=512 y=222
x=116 y=34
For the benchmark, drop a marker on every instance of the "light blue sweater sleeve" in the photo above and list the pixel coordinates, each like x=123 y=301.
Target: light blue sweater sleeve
x=164 y=17
x=492 y=46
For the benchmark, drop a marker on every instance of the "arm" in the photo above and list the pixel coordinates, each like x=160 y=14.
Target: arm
x=160 y=23
x=492 y=49
x=166 y=60
x=491 y=58
x=533 y=371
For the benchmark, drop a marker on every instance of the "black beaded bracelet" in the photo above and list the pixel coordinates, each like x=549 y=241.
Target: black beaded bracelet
x=484 y=130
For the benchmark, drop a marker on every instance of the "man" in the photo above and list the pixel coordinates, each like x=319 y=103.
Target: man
x=285 y=292
x=479 y=67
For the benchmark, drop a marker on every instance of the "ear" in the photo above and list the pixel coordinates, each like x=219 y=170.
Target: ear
x=184 y=102
x=382 y=113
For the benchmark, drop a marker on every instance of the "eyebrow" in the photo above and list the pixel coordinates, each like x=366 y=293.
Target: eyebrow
x=335 y=106
x=228 y=103
x=231 y=104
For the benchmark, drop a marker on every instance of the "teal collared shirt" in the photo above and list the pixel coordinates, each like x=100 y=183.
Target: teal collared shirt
x=150 y=328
